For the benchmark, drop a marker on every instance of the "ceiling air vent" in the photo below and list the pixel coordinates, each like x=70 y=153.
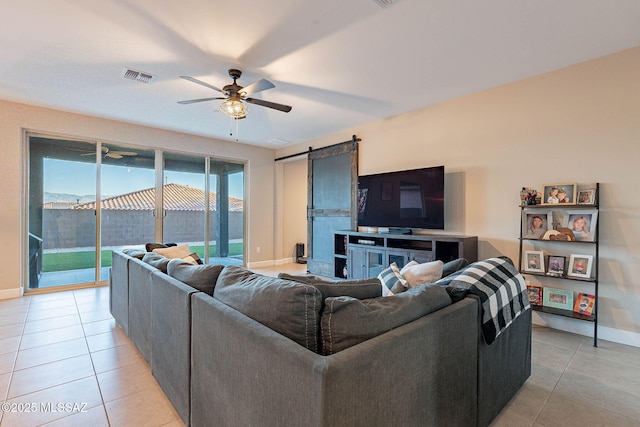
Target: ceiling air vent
x=139 y=76
x=384 y=3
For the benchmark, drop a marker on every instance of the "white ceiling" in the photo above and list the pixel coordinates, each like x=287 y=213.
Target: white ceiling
x=339 y=63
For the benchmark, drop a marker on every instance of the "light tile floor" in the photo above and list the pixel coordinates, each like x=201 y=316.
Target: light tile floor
x=64 y=348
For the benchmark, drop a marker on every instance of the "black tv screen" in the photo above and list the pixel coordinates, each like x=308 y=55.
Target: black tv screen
x=406 y=199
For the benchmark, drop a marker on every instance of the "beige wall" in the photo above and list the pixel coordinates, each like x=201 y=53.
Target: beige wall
x=295 y=215
x=15 y=118
x=579 y=124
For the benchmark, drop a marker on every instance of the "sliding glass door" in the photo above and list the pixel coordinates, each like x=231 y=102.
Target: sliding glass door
x=127 y=202
x=87 y=199
x=226 y=213
x=183 y=198
x=62 y=238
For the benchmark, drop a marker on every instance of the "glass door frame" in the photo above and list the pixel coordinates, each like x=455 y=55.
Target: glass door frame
x=159 y=211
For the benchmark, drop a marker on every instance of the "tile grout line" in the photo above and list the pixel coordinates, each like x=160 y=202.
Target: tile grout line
x=95 y=373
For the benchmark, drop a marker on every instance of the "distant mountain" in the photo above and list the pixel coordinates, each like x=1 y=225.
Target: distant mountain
x=61 y=197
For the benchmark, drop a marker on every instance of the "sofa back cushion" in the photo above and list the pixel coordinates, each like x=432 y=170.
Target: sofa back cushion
x=156 y=260
x=360 y=289
x=201 y=277
x=347 y=321
x=289 y=308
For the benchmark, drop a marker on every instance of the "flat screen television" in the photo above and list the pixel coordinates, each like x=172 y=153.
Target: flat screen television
x=403 y=199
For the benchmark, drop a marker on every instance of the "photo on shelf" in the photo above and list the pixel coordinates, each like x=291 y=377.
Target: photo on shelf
x=536 y=222
x=535 y=294
x=556 y=265
x=584 y=304
x=555 y=194
x=558 y=298
x=580 y=266
x=587 y=196
x=534 y=261
x=529 y=196
x=582 y=223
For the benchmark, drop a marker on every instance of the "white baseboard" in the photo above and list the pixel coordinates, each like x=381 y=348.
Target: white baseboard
x=586 y=328
x=11 y=293
x=259 y=264
x=270 y=263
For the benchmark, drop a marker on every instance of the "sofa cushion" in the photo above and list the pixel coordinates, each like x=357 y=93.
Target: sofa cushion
x=346 y=321
x=360 y=288
x=179 y=251
x=453 y=266
x=392 y=281
x=156 y=260
x=134 y=253
x=416 y=274
x=202 y=277
x=149 y=247
x=289 y=308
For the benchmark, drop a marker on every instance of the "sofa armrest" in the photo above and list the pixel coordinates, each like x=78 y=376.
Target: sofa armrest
x=119 y=289
x=243 y=373
x=140 y=306
x=171 y=339
x=503 y=366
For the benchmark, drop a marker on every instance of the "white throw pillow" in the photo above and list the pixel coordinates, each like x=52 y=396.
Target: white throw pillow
x=180 y=251
x=416 y=274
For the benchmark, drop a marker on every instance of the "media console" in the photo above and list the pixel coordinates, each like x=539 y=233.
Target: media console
x=359 y=255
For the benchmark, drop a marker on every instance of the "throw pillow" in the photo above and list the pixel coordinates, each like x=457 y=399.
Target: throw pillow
x=134 y=253
x=361 y=289
x=392 y=281
x=417 y=274
x=179 y=251
x=193 y=258
x=201 y=277
x=156 y=260
x=289 y=308
x=453 y=266
x=347 y=321
x=151 y=246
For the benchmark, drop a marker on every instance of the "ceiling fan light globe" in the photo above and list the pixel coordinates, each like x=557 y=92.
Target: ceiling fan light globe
x=233 y=108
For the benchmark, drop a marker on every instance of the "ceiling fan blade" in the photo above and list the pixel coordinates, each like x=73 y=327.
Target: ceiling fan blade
x=258 y=86
x=191 y=101
x=275 y=106
x=200 y=82
x=113 y=155
x=124 y=153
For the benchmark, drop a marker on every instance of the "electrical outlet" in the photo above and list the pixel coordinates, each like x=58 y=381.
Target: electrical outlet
x=257 y=249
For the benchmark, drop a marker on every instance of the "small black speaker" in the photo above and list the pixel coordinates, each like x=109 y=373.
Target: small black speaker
x=300 y=253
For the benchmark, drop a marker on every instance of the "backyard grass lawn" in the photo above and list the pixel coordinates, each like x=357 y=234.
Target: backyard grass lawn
x=63 y=261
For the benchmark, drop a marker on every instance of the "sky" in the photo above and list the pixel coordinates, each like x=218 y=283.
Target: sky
x=78 y=178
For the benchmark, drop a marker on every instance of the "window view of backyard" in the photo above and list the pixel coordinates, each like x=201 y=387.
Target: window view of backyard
x=64 y=235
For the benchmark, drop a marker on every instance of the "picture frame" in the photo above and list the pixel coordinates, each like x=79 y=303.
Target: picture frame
x=559 y=194
x=556 y=265
x=535 y=222
x=580 y=266
x=584 y=304
x=535 y=294
x=586 y=196
x=558 y=298
x=534 y=261
x=582 y=223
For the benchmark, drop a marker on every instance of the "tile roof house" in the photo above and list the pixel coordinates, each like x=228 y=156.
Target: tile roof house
x=177 y=197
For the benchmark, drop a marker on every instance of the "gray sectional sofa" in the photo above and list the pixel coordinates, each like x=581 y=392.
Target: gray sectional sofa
x=220 y=366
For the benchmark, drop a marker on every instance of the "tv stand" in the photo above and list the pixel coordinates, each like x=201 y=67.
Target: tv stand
x=359 y=255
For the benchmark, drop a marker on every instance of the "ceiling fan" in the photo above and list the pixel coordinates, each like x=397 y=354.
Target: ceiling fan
x=236 y=95
x=106 y=152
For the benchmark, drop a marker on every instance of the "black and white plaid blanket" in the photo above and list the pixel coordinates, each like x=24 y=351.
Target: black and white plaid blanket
x=501 y=289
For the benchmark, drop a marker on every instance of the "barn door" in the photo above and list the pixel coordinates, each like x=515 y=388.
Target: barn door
x=332 y=201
